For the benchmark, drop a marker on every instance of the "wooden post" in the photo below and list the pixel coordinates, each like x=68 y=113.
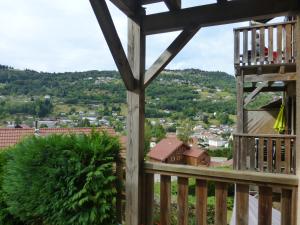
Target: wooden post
x=297 y=39
x=240 y=112
x=135 y=125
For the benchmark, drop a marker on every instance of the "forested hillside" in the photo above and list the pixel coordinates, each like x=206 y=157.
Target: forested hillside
x=176 y=94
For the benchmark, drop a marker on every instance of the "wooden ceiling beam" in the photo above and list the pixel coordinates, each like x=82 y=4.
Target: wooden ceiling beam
x=126 y=6
x=218 y=14
x=166 y=57
x=112 y=38
x=146 y=2
x=173 y=5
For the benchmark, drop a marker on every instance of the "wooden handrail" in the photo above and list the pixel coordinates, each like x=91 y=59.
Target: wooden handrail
x=263 y=25
x=233 y=176
x=265 y=135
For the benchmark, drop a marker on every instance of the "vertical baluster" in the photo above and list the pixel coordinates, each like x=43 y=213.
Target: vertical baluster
x=287 y=155
x=270 y=155
x=288 y=43
x=252 y=153
x=261 y=154
x=278 y=155
x=221 y=204
x=265 y=206
x=242 y=204
x=165 y=199
x=149 y=198
x=279 y=44
x=253 y=46
x=201 y=202
x=183 y=189
x=262 y=45
x=294 y=42
x=235 y=151
x=244 y=151
x=119 y=174
x=237 y=47
x=270 y=45
x=245 y=47
x=286 y=207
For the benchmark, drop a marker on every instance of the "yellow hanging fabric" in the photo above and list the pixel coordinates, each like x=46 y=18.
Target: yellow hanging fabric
x=280 y=121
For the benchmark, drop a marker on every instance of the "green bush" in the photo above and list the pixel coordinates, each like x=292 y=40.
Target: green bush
x=6 y=218
x=62 y=180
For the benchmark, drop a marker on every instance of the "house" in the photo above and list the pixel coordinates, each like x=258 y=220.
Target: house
x=173 y=151
x=11 y=136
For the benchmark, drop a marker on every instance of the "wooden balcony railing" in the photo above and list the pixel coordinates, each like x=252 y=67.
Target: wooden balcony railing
x=265 y=153
x=265 y=44
x=266 y=183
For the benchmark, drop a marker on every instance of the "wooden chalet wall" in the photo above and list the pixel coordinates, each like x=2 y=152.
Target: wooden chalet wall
x=136 y=78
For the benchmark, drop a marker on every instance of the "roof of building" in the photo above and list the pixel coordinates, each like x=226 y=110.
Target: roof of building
x=194 y=152
x=165 y=148
x=11 y=136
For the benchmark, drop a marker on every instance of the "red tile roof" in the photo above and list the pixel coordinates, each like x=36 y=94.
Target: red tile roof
x=194 y=152
x=11 y=136
x=165 y=148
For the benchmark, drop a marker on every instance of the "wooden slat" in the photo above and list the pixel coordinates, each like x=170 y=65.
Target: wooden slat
x=294 y=42
x=262 y=45
x=252 y=153
x=265 y=135
x=270 y=44
x=288 y=150
x=119 y=185
x=149 y=198
x=175 y=47
x=270 y=155
x=288 y=39
x=261 y=154
x=221 y=204
x=286 y=207
x=236 y=47
x=279 y=44
x=183 y=191
x=165 y=200
x=265 y=206
x=201 y=202
x=236 y=149
x=278 y=155
x=243 y=155
x=245 y=47
x=214 y=14
x=114 y=43
x=253 y=46
x=242 y=204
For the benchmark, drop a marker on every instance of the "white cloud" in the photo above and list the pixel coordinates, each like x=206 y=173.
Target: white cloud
x=55 y=35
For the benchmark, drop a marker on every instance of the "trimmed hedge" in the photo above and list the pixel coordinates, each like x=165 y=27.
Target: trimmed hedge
x=62 y=180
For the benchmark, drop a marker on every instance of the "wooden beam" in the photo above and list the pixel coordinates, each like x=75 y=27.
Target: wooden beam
x=146 y=2
x=271 y=77
x=267 y=89
x=165 y=58
x=254 y=93
x=217 y=14
x=297 y=145
x=128 y=7
x=111 y=36
x=173 y=5
x=135 y=188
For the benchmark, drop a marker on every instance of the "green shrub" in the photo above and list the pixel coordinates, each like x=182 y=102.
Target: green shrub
x=62 y=180
x=6 y=218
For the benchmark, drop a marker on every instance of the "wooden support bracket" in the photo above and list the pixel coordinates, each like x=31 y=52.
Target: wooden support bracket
x=111 y=36
x=254 y=93
x=175 y=47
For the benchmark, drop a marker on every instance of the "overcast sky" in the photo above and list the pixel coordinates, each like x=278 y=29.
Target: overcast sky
x=63 y=35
